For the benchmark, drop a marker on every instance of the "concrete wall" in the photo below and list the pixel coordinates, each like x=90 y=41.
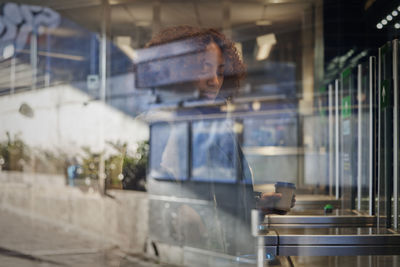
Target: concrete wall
x=120 y=219
x=65 y=118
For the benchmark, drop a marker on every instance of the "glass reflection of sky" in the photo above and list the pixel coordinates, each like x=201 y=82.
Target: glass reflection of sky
x=213 y=149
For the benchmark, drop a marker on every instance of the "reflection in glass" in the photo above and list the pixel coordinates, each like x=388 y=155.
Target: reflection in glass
x=213 y=147
x=270 y=144
x=169 y=151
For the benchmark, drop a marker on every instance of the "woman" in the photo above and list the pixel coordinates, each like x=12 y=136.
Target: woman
x=204 y=59
x=213 y=66
x=215 y=73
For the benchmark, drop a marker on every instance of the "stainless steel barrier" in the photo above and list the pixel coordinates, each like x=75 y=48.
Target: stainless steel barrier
x=319 y=221
x=309 y=203
x=331 y=242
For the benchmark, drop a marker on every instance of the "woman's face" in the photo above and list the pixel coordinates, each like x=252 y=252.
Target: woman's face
x=211 y=75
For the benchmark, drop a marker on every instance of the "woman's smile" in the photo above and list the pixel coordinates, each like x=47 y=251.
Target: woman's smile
x=211 y=76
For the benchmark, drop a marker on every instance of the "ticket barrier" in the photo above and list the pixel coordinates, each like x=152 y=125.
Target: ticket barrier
x=343 y=233
x=332 y=242
x=363 y=114
x=330 y=235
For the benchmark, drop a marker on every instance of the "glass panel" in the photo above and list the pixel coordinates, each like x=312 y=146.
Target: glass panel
x=348 y=138
x=270 y=145
x=366 y=139
x=169 y=151
x=396 y=135
x=214 y=149
x=386 y=134
x=315 y=128
x=220 y=112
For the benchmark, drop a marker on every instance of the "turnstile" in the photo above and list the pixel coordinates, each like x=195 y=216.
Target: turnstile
x=342 y=233
x=365 y=180
x=339 y=219
x=331 y=242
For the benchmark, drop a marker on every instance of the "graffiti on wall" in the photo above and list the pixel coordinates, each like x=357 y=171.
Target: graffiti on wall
x=17 y=22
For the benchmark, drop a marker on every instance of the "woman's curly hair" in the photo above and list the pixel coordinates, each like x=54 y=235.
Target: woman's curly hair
x=234 y=69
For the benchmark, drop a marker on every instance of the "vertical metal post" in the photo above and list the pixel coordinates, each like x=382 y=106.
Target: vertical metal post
x=372 y=88
x=330 y=133
x=226 y=17
x=378 y=189
x=337 y=139
x=33 y=58
x=359 y=142
x=103 y=51
x=103 y=88
x=12 y=74
x=255 y=223
x=395 y=133
x=93 y=46
x=359 y=257
x=260 y=251
x=156 y=16
x=318 y=41
x=48 y=61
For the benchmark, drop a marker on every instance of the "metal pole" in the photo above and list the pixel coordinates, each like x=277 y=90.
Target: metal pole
x=103 y=88
x=395 y=133
x=331 y=148
x=156 y=16
x=260 y=251
x=48 y=60
x=372 y=80
x=318 y=11
x=255 y=223
x=103 y=51
x=226 y=17
x=33 y=58
x=359 y=143
x=378 y=210
x=12 y=75
x=359 y=257
x=93 y=43
x=337 y=138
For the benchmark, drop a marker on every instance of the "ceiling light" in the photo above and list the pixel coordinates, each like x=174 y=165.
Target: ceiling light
x=379 y=26
x=265 y=43
x=397 y=25
x=143 y=23
x=384 y=21
x=395 y=13
x=389 y=17
x=263 y=22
